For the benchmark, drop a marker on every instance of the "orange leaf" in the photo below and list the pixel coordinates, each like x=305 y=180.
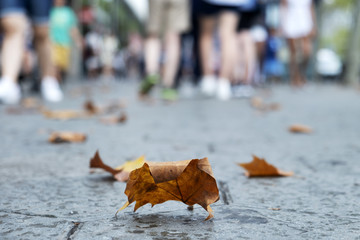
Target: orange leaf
x=260 y=168
x=190 y=182
x=299 y=128
x=62 y=137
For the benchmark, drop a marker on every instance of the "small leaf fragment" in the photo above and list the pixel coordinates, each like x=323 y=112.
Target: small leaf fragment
x=90 y=107
x=260 y=168
x=64 y=114
x=122 y=118
x=65 y=137
x=300 y=128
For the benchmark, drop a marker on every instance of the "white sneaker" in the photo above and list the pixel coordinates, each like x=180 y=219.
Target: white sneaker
x=208 y=85
x=9 y=92
x=223 y=91
x=50 y=90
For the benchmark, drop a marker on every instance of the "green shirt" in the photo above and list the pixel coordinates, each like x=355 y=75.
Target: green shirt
x=62 y=20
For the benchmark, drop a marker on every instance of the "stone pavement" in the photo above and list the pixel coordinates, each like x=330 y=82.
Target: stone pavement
x=47 y=191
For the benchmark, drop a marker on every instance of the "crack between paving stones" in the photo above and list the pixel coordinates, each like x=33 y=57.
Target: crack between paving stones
x=28 y=213
x=225 y=193
x=76 y=227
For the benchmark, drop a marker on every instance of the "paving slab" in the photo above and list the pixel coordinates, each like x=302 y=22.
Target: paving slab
x=47 y=191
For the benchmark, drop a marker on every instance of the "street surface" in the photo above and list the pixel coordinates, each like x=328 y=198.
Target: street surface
x=48 y=192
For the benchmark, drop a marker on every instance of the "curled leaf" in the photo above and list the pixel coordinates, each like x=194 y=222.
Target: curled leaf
x=260 y=168
x=64 y=137
x=300 y=128
x=190 y=182
x=120 y=173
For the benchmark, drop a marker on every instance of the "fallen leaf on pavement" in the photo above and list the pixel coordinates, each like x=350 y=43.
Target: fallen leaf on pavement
x=120 y=173
x=191 y=182
x=128 y=167
x=27 y=106
x=259 y=104
x=64 y=137
x=90 y=107
x=299 y=128
x=122 y=118
x=260 y=168
x=64 y=114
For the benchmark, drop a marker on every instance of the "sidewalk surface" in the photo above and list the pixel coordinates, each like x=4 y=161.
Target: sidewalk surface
x=47 y=191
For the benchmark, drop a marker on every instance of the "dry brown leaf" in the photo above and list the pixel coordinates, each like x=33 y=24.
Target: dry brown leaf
x=122 y=118
x=300 y=128
x=259 y=104
x=90 y=107
x=96 y=162
x=64 y=114
x=64 y=137
x=260 y=168
x=120 y=173
x=190 y=182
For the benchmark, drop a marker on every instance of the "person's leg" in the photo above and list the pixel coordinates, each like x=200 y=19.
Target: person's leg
x=227 y=30
x=39 y=12
x=172 y=48
x=152 y=47
x=152 y=54
x=206 y=48
x=306 y=47
x=12 y=50
x=49 y=87
x=207 y=26
x=250 y=57
x=294 y=68
x=13 y=45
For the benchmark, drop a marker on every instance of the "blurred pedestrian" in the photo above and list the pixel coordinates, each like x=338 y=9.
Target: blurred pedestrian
x=170 y=17
x=91 y=55
x=63 y=30
x=13 y=15
x=299 y=27
x=247 y=62
x=107 y=54
x=225 y=14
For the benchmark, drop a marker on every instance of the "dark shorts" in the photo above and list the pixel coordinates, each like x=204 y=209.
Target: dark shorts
x=37 y=10
x=248 y=19
x=206 y=9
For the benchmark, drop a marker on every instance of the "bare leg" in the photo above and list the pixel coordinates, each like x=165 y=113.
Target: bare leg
x=49 y=87
x=13 y=45
x=306 y=54
x=247 y=56
x=227 y=31
x=43 y=48
x=172 y=48
x=152 y=54
x=207 y=25
x=294 y=68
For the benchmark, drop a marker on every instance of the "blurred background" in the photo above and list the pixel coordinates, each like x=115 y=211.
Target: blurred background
x=112 y=36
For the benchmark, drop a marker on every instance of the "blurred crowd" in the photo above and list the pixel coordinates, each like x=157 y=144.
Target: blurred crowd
x=225 y=47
